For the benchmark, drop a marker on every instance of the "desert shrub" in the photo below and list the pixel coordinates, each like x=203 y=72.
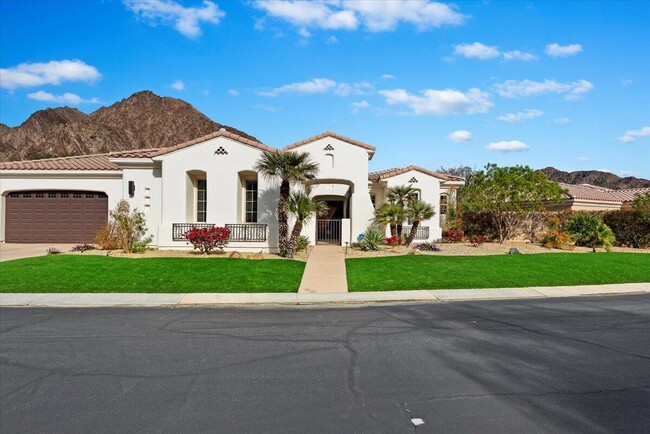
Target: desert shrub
x=453 y=236
x=555 y=237
x=393 y=241
x=106 y=238
x=82 y=248
x=53 y=251
x=479 y=223
x=301 y=243
x=631 y=228
x=126 y=229
x=589 y=230
x=477 y=240
x=427 y=247
x=208 y=239
x=372 y=239
x=533 y=225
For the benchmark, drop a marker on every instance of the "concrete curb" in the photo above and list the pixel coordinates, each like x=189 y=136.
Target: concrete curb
x=214 y=299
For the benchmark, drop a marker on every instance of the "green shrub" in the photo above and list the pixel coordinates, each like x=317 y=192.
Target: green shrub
x=589 y=230
x=372 y=239
x=631 y=228
x=302 y=243
x=479 y=223
x=128 y=228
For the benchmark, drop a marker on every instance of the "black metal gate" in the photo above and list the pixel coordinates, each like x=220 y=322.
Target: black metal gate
x=328 y=231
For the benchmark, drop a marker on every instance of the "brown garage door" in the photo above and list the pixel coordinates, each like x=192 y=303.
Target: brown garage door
x=54 y=216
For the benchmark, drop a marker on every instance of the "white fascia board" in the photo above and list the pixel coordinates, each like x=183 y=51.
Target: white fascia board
x=133 y=162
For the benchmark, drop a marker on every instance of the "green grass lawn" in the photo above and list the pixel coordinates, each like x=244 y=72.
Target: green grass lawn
x=68 y=273
x=502 y=271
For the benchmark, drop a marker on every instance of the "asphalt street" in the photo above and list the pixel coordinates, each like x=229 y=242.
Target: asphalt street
x=545 y=365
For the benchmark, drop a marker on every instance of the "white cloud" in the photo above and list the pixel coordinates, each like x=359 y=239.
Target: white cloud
x=388 y=77
x=268 y=108
x=507 y=146
x=178 y=85
x=356 y=106
x=233 y=92
x=332 y=40
x=321 y=85
x=53 y=72
x=584 y=159
x=66 y=98
x=626 y=173
x=515 y=89
x=375 y=16
x=562 y=120
x=460 y=136
x=440 y=102
x=520 y=116
x=557 y=50
x=186 y=20
x=632 y=135
x=625 y=82
x=477 y=50
x=518 y=55
x=481 y=51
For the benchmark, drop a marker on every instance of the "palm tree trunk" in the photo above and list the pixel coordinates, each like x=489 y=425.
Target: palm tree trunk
x=393 y=230
x=283 y=217
x=399 y=230
x=295 y=233
x=414 y=231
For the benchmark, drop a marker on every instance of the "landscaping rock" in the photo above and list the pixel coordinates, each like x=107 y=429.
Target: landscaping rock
x=514 y=251
x=235 y=255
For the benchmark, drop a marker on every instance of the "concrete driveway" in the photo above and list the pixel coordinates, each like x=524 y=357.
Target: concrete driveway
x=10 y=251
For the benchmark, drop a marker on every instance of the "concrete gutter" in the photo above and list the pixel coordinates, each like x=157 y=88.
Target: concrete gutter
x=215 y=299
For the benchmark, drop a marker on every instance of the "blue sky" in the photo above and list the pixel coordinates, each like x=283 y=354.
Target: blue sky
x=537 y=83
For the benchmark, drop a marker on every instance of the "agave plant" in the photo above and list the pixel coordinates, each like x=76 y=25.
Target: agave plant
x=289 y=167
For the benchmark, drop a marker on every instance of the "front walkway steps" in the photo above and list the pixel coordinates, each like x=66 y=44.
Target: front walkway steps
x=325 y=272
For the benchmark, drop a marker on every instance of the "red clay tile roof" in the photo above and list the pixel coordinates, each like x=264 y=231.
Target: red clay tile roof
x=330 y=134
x=389 y=173
x=629 y=194
x=221 y=133
x=589 y=192
x=81 y=162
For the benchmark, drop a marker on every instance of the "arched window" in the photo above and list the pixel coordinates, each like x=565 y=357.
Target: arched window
x=444 y=202
x=329 y=160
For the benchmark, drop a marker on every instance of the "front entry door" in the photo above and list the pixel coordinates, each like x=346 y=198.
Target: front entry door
x=328 y=228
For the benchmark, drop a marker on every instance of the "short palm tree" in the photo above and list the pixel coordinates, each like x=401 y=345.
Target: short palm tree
x=401 y=195
x=303 y=209
x=287 y=167
x=416 y=212
x=391 y=215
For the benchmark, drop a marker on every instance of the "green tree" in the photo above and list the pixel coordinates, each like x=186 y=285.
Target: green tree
x=416 y=212
x=510 y=195
x=303 y=209
x=289 y=168
x=641 y=206
x=466 y=172
x=391 y=215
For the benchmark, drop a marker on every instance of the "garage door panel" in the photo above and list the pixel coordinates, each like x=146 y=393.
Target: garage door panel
x=54 y=216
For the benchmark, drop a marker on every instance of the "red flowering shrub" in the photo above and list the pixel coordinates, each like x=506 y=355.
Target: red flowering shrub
x=453 y=236
x=207 y=239
x=393 y=241
x=477 y=240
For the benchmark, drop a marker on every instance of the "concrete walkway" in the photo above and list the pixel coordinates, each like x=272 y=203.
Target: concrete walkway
x=212 y=299
x=11 y=251
x=325 y=272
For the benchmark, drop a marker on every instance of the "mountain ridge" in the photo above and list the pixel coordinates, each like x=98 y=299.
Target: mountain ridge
x=595 y=177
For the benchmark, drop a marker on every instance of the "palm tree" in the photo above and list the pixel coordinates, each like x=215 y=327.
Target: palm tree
x=391 y=215
x=303 y=209
x=289 y=167
x=401 y=196
x=417 y=211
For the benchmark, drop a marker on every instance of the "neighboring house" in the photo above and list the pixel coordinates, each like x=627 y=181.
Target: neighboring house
x=207 y=181
x=587 y=197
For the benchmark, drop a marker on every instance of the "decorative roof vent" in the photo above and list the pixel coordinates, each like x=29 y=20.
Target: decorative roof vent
x=328 y=148
x=220 y=151
x=222 y=129
x=413 y=180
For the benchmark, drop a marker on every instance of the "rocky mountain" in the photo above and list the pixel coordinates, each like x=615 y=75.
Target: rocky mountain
x=143 y=120
x=595 y=177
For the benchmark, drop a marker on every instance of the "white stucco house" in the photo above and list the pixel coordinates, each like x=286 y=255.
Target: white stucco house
x=207 y=181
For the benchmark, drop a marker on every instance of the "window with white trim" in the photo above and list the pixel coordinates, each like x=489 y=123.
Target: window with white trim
x=444 y=202
x=201 y=200
x=250 y=215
